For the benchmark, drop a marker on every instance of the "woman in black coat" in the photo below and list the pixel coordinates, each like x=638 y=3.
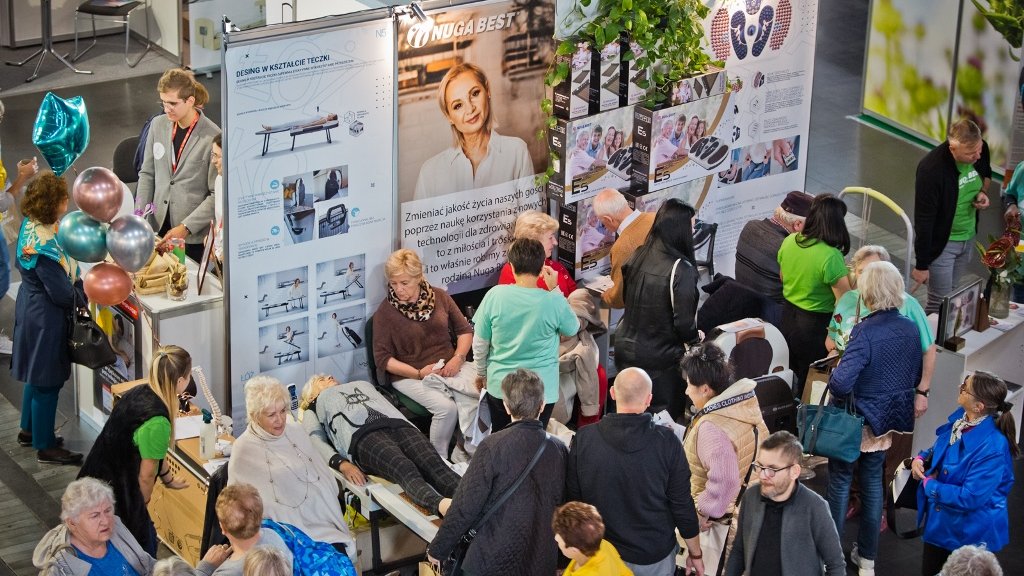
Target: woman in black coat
x=42 y=317
x=660 y=294
x=516 y=538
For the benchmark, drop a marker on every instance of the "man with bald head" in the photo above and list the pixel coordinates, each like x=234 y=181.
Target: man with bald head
x=631 y=230
x=634 y=472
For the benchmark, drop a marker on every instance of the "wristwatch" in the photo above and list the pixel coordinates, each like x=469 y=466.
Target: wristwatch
x=922 y=392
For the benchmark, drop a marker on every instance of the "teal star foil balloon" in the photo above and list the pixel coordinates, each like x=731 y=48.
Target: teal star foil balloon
x=61 y=131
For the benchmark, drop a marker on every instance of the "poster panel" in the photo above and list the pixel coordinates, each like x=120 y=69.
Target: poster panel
x=469 y=89
x=909 y=70
x=308 y=125
x=769 y=57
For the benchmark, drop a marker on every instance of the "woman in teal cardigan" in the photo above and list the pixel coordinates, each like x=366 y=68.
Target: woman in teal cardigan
x=967 y=475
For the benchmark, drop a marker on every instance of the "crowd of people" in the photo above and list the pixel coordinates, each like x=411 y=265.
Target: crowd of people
x=626 y=495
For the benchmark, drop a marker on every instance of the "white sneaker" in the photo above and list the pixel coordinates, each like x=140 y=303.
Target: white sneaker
x=864 y=567
x=6 y=344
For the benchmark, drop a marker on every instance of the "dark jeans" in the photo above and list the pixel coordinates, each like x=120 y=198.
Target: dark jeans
x=668 y=390
x=39 y=414
x=805 y=333
x=404 y=455
x=840 y=475
x=932 y=559
x=500 y=419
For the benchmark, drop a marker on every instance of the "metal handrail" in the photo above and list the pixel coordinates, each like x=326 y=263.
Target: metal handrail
x=865 y=215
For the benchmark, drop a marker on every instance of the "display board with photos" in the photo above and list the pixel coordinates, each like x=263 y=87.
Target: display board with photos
x=309 y=119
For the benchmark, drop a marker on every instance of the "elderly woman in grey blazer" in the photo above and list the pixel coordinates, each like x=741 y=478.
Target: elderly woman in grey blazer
x=177 y=175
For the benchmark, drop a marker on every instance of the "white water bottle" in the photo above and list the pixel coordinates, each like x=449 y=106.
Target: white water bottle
x=207 y=437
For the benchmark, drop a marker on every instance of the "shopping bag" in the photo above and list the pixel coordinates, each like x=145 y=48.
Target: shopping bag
x=830 y=431
x=819 y=371
x=902 y=495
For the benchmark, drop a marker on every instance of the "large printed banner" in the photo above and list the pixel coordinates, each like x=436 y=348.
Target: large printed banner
x=309 y=124
x=469 y=90
x=768 y=49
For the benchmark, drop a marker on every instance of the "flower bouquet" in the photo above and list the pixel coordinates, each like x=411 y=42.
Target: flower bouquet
x=1005 y=266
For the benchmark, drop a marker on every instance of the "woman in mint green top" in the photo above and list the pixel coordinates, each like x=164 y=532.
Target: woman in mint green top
x=129 y=452
x=814 y=276
x=518 y=326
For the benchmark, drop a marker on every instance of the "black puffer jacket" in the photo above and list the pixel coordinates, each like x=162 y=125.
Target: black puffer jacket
x=651 y=335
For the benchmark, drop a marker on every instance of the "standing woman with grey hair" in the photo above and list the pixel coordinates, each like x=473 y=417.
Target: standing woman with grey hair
x=90 y=536
x=275 y=455
x=878 y=373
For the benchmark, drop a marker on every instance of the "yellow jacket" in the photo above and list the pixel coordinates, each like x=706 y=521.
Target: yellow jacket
x=605 y=562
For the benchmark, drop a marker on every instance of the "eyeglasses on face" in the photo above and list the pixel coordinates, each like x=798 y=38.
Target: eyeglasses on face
x=964 y=390
x=768 y=471
x=174 y=104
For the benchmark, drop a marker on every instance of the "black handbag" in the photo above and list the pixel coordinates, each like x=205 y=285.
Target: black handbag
x=452 y=565
x=87 y=343
x=902 y=494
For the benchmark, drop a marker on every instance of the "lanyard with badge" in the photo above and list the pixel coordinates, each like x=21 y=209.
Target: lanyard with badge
x=181 y=149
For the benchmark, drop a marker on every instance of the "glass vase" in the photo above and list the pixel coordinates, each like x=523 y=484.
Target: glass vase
x=999 y=302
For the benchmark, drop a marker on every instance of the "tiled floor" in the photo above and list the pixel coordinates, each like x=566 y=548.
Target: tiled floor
x=842 y=153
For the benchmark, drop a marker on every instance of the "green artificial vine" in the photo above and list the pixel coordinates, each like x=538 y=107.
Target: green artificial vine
x=670 y=32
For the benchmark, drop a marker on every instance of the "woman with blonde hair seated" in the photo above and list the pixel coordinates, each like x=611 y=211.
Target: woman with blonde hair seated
x=240 y=513
x=536 y=225
x=354 y=421
x=412 y=330
x=274 y=455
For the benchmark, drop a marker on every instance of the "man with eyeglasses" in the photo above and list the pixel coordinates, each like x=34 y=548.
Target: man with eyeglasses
x=783 y=510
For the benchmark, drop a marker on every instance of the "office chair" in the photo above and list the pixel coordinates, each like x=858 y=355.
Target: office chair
x=120 y=15
x=124 y=160
x=704 y=235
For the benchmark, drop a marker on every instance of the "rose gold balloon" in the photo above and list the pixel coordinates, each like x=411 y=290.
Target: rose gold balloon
x=98 y=192
x=107 y=284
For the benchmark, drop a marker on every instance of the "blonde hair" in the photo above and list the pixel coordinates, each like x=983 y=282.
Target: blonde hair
x=172 y=566
x=307 y=397
x=261 y=392
x=170 y=363
x=184 y=84
x=240 y=510
x=534 y=224
x=442 y=100
x=881 y=286
x=862 y=254
x=265 y=561
x=403 y=261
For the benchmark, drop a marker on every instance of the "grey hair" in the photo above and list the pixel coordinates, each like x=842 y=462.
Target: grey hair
x=867 y=251
x=881 y=286
x=971 y=561
x=965 y=131
x=582 y=136
x=534 y=224
x=610 y=202
x=261 y=392
x=523 y=392
x=83 y=494
x=172 y=566
x=788 y=218
x=265 y=561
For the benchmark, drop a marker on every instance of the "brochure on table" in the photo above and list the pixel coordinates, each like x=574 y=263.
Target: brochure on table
x=308 y=125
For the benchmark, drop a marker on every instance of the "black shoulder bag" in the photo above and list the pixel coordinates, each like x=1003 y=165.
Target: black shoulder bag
x=452 y=566
x=87 y=343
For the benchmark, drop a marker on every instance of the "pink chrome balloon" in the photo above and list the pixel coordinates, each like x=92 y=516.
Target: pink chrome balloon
x=98 y=192
x=107 y=284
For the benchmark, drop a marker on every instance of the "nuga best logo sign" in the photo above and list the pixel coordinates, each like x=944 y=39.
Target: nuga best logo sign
x=421 y=34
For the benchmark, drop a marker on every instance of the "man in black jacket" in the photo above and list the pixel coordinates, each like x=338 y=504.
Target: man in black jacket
x=636 y=474
x=948 y=192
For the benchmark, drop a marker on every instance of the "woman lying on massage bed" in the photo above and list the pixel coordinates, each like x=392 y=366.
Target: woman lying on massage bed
x=353 y=423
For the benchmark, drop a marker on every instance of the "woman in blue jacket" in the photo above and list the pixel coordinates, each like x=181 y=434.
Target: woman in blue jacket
x=967 y=475
x=880 y=368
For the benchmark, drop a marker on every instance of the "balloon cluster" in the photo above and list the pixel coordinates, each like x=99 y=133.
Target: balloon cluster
x=105 y=224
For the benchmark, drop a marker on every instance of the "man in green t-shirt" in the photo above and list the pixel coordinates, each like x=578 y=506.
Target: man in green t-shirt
x=949 y=190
